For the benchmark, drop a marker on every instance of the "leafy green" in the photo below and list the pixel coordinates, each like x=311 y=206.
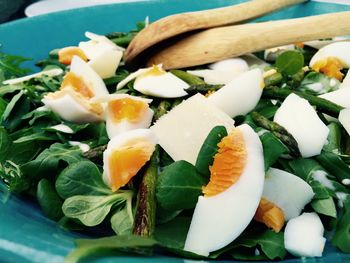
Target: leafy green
x=341 y=238
x=10 y=66
x=89 y=247
x=15 y=109
x=81 y=178
x=209 y=148
x=49 y=201
x=325 y=207
x=333 y=139
x=92 y=210
x=317 y=83
x=122 y=220
x=13 y=177
x=334 y=164
x=179 y=186
x=290 y=62
x=52 y=160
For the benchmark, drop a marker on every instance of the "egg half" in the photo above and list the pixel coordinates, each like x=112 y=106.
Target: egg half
x=331 y=59
x=73 y=101
x=124 y=113
x=156 y=82
x=232 y=195
x=125 y=155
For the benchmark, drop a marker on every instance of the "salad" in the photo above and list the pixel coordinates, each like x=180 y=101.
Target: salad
x=246 y=158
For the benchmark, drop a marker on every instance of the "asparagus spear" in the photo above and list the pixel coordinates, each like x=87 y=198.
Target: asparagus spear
x=202 y=88
x=163 y=107
x=322 y=105
x=280 y=132
x=187 y=77
x=95 y=153
x=145 y=216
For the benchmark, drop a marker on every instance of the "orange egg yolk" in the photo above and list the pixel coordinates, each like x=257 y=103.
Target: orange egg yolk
x=127 y=108
x=65 y=55
x=77 y=83
x=228 y=165
x=270 y=214
x=125 y=162
x=331 y=67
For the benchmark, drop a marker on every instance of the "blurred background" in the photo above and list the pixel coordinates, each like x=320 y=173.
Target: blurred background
x=14 y=9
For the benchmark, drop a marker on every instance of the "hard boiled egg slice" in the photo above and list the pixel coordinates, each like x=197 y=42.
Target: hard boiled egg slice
x=291 y=200
x=331 y=59
x=103 y=54
x=156 y=82
x=303 y=236
x=222 y=72
x=125 y=155
x=232 y=195
x=300 y=119
x=125 y=113
x=340 y=96
x=241 y=95
x=72 y=106
x=65 y=55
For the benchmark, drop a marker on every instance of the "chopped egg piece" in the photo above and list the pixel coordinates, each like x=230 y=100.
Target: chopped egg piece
x=331 y=59
x=182 y=131
x=72 y=106
x=232 y=195
x=125 y=113
x=340 y=96
x=84 y=147
x=291 y=200
x=303 y=236
x=51 y=73
x=300 y=119
x=73 y=101
x=241 y=95
x=270 y=214
x=222 y=72
x=65 y=55
x=62 y=128
x=125 y=155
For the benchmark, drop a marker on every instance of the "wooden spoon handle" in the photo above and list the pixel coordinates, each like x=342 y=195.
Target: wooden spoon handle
x=224 y=42
x=180 y=23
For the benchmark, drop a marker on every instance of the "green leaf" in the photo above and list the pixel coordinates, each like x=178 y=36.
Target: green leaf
x=325 y=207
x=272 y=146
x=179 y=186
x=3 y=105
x=333 y=139
x=92 y=210
x=17 y=107
x=335 y=165
x=51 y=161
x=164 y=215
x=89 y=247
x=122 y=221
x=10 y=65
x=290 y=62
x=13 y=177
x=81 y=178
x=341 y=238
x=49 y=201
x=317 y=83
x=209 y=148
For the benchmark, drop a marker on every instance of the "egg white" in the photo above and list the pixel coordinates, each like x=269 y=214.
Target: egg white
x=339 y=50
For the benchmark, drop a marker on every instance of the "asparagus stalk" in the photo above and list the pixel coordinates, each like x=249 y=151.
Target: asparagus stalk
x=163 y=107
x=187 y=77
x=202 y=88
x=95 y=153
x=280 y=132
x=145 y=216
x=323 y=105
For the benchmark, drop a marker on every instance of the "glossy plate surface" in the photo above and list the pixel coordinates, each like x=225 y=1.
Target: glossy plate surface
x=25 y=234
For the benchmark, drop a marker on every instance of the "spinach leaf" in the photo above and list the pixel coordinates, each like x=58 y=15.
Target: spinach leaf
x=17 y=107
x=272 y=146
x=333 y=139
x=290 y=62
x=49 y=201
x=179 y=186
x=3 y=105
x=325 y=207
x=92 y=210
x=341 y=238
x=13 y=177
x=10 y=66
x=268 y=242
x=164 y=215
x=317 y=83
x=209 y=148
x=49 y=162
x=122 y=221
x=334 y=164
x=81 y=178
x=89 y=247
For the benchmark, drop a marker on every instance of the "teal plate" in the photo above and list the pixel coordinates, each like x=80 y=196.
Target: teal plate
x=25 y=234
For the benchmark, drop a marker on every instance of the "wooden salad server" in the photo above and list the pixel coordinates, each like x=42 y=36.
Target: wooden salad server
x=174 y=25
x=231 y=41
